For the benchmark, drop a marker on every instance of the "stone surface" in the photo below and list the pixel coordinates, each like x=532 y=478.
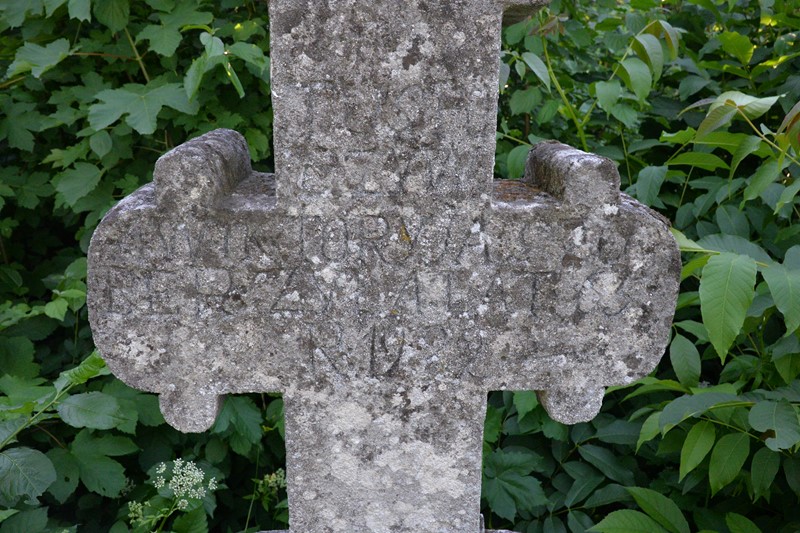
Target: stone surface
x=379 y=280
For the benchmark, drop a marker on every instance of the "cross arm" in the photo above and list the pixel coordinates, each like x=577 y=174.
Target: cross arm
x=591 y=279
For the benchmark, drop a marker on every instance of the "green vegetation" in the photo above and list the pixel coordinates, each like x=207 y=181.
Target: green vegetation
x=699 y=104
x=697 y=101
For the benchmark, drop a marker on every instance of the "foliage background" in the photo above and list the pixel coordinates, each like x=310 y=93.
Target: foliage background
x=93 y=92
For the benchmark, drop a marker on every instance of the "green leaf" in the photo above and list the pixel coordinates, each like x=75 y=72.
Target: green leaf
x=735 y=245
x=507 y=486
x=726 y=291
x=587 y=479
x=671 y=36
x=715 y=119
x=763 y=177
x=784 y=285
x=732 y=221
x=637 y=77
x=650 y=429
x=628 y=521
x=140 y=103
x=765 y=466
x=538 y=67
x=16 y=357
x=100 y=143
x=737 y=45
x=751 y=106
x=625 y=114
x=51 y=5
x=80 y=9
x=778 y=419
x=29 y=521
x=164 y=40
x=68 y=474
x=619 y=432
x=739 y=524
x=691 y=85
x=101 y=474
x=606 y=462
x=578 y=521
x=253 y=56
x=698 y=159
x=24 y=472
x=525 y=101
x=685 y=360
x=648 y=184
x=698 y=443
x=661 y=509
x=17 y=127
x=77 y=182
x=493 y=424
x=517 y=158
x=192 y=522
x=746 y=146
x=727 y=460
x=648 y=48
x=691 y=405
x=38 y=59
x=194 y=75
x=788 y=195
x=89 y=368
x=243 y=415
x=112 y=13
x=525 y=402
x=86 y=443
x=7 y=513
x=608 y=93
x=91 y=409
x=56 y=309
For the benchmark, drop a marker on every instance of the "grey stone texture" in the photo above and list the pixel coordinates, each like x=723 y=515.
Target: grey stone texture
x=380 y=280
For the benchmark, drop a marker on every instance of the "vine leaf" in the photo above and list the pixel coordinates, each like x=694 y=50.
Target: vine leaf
x=727 y=288
x=141 y=104
x=38 y=59
x=507 y=486
x=77 y=182
x=113 y=14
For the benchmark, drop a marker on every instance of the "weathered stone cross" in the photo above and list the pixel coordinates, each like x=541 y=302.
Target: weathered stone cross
x=385 y=287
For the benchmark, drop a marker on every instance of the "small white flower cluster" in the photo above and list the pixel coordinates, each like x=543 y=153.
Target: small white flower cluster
x=277 y=480
x=187 y=481
x=136 y=511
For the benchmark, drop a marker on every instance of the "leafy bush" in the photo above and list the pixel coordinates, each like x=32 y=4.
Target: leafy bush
x=699 y=104
x=93 y=93
x=696 y=101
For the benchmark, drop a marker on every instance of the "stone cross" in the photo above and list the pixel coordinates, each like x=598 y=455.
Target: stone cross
x=379 y=280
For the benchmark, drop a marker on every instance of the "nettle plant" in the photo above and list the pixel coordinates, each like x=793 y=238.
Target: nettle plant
x=698 y=104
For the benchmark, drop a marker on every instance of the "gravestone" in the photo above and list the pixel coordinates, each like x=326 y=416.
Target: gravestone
x=380 y=280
